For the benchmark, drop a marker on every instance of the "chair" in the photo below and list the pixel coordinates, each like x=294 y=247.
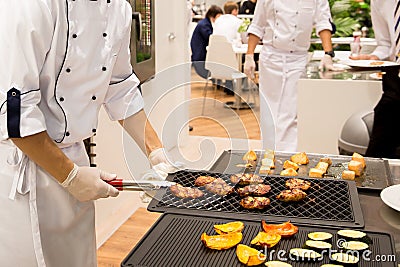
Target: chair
x=222 y=64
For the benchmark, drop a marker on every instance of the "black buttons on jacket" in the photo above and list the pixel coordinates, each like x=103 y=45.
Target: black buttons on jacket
x=108 y=1
x=62 y=99
x=103 y=68
x=68 y=70
x=67 y=134
x=93 y=130
x=94 y=97
x=74 y=35
x=104 y=34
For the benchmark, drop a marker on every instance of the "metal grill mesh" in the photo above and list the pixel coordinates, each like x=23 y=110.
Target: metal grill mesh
x=326 y=199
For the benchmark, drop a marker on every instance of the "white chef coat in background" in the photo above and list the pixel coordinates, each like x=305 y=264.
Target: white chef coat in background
x=285 y=28
x=66 y=59
x=228 y=25
x=384 y=28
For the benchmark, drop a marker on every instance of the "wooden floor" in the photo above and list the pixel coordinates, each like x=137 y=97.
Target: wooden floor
x=115 y=249
x=218 y=120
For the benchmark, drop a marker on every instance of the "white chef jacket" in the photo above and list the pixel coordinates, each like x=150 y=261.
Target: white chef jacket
x=383 y=24
x=62 y=61
x=227 y=25
x=287 y=24
x=285 y=28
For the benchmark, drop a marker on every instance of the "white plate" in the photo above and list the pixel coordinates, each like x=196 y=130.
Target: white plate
x=368 y=63
x=376 y=76
x=391 y=196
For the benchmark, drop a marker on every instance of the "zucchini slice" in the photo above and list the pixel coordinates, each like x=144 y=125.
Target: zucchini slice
x=345 y=258
x=352 y=234
x=318 y=245
x=320 y=236
x=301 y=254
x=277 y=264
x=355 y=245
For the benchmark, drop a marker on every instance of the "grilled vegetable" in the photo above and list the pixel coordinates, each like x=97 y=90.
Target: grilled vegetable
x=221 y=242
x=264 y=239
x=227 y=228
x=250 y=157
x=318 y=245
x=285 y=229
x=301 y=254
x=249 y=256
x=277 y=264
x=320 y=236
x=300 y=158
x=354 y=245
x=344 y=258
x=353 y=235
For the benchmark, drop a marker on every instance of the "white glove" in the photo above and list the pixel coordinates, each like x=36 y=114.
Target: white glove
x=249 y=66
x=327 y=64
x=161 y=165
x=87 y=183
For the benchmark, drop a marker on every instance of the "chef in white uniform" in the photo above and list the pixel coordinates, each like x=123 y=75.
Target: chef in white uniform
x=285 y=27
x=62 y=61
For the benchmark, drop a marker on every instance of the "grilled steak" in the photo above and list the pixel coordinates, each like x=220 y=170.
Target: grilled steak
x=219 y=187
x=185 y=192
x=254 y=190
x=298 y=183
x=246 y=179
x=255 y=203
x=291 y=195
x=203 y=180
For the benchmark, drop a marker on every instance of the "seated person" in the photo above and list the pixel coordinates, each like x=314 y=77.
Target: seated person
x=200 y=38
x=228 y=24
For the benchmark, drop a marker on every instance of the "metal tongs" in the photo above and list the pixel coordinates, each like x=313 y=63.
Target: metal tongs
x=145 y=185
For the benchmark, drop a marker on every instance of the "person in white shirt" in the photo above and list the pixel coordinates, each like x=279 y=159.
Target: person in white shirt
x=64 y=61
x=285 y=27
x=228 y=24
x=384 y=139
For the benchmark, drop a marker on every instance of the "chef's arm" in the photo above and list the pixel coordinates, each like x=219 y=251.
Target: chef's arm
x=252 y=43
x=141 y=130
x=325 y=36
x=44 y=152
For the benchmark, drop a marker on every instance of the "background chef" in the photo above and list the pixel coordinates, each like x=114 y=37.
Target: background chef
x=63 y=60
x=285 y=29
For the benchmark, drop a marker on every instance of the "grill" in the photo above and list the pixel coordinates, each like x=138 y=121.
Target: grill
x=174 y=240
x=376 y=176
x=328 y=202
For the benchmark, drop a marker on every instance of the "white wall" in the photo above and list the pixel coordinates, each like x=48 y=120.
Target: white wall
x=111 y=142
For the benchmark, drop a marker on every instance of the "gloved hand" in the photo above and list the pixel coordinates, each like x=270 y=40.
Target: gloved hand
x=249 y=66
x=161 y=165
x=327 y=64
x=87 y=183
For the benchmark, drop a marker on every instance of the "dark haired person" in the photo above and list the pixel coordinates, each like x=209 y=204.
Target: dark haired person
x=200 y=38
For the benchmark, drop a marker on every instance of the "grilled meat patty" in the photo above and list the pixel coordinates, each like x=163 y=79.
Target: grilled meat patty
x=246 y=179
x=185 y=192
x=255 y=202
x=291 y=195
x=219 y=187
x=254 y=190
x=298 y=183
x=203 y=180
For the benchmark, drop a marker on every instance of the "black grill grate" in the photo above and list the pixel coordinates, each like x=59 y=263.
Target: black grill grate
x=175 y=241
x=328 y=201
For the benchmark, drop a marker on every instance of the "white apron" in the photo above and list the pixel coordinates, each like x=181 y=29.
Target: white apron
x=279 y=73
x=31 y=200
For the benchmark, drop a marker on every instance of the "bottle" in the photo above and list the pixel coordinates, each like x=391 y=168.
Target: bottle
x=355 y=45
